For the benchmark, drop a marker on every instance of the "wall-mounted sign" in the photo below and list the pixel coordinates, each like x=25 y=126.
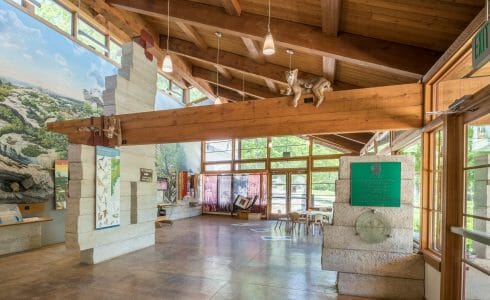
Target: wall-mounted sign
x=376 y=184
x=146 y=175
x=480 y=49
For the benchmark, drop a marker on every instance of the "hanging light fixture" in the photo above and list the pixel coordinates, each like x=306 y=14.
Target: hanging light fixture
x=269 y=47
x=167 y=61
x=218 y=99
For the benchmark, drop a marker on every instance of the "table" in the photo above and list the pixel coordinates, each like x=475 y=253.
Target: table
x=311 y=213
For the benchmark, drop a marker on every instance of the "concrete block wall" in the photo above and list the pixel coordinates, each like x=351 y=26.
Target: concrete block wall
x=132 y=90
x=386 y=270
x=20 y=237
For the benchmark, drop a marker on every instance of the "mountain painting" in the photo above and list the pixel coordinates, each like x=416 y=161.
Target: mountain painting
x=44 y=77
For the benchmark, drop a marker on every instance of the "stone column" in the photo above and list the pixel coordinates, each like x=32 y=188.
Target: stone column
x=384 y=270
x=132 y=90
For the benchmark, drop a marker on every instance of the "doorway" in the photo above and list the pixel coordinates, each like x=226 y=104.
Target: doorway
x=288 y=192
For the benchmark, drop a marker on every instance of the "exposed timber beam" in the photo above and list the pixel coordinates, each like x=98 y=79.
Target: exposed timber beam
x=192 y=34
x=232 y=7
x=133 y=24
x=251 y=89
x=329 y=67
x=379 y=54
x=224 y=72
x=372 y=109
x=340 y=142
x=227 y=94
x=331 y=11
x=227 y=59
x=254 y=50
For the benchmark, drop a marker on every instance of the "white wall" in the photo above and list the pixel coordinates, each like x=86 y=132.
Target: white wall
x=432 y=283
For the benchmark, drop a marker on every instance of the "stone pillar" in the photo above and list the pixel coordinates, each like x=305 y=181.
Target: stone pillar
x=384 y=270
x=132 y=90
x=481 y=203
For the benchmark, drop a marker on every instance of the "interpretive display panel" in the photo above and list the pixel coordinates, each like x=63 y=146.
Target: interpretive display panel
x=61 y=183
x=376 y=184
x=107 y=187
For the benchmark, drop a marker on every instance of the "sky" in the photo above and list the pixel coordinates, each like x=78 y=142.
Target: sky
x=38 y=55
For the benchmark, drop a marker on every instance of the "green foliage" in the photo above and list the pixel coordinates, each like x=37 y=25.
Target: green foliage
x=33 y=151
x=195 y=94
x=170 y=159
x=55 y=14
x=296 y=146
x=116 y=173
x=4 y=91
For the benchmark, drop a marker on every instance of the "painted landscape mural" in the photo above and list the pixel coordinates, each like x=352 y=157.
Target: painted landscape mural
x=44 y=77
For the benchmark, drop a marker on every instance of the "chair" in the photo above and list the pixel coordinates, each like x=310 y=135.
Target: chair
x=297 y=219
x=318 y=220
x=281 y=219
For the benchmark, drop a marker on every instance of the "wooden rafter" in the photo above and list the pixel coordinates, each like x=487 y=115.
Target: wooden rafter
x=378 y=54
x=329 y=67
x=133 y=24
x=232 y=7
x=371 y=109
x=331 y=10
x=360 y=137
x=271 y=85
x=254 y=50
x=340 y=142
x=251 y=89
x=229 y=60
x=192 y=34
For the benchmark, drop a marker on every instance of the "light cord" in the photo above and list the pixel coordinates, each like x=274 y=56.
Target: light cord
x=243 y=86
x=269 y=20
x=168 y=23
x=218 y=35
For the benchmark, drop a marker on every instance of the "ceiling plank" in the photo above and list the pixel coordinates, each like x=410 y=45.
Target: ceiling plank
x=341 y=142
x=193 y=35
x=372 y=109
x=228 y=59
x=251 y=89
x=232 y=7
x=254 y=50
x=331 y=10
x=329 y=68
x=378 y=54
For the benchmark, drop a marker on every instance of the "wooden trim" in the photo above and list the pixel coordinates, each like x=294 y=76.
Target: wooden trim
x=29 y=221
x=424 y=209
x=453 y=207
x=433 y=259
x=405 y=139
x=433 y=125
x=331 y=12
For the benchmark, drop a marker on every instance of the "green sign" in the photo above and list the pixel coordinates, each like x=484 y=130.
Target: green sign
x=479 y=47
x=376 y=184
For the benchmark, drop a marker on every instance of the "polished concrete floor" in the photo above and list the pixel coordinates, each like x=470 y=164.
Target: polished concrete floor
x=205 y=257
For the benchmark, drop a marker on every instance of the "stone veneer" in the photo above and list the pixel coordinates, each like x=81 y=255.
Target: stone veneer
x=131 y=90
x=388 y=270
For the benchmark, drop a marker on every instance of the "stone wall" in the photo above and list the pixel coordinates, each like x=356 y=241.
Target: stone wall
x=388 y=269
x=132 y=90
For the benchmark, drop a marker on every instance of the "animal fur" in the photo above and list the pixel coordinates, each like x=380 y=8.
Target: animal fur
x=318 y=86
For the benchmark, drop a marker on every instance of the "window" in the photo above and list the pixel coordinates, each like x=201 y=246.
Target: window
x=435 y=205
x=289 y=164
x=323 y=188
x=218 y=150
x=477 y=207
x=177 y=92
x=251 y=148
x=115 y=51
x=289 y=146
x=217 y=167
x=55 y=14
x=195 y=94
x=415 y=150
x=320 y=149
x=250 y=166
x=326 y=163
x=90 y=36
x=163 y=83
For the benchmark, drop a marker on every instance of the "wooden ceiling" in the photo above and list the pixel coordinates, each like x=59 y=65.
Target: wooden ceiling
x=357 y=43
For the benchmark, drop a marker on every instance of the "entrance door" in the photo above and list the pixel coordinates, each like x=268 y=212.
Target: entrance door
x=288 y=192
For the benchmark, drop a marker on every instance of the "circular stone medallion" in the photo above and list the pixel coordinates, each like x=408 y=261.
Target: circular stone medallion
x=372 y=227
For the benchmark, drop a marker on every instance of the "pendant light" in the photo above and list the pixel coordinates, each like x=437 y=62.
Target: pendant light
x=167 y=61
x=218 y=99
x=269 y=47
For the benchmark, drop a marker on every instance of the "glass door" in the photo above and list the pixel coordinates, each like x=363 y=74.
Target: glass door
x=288 y=192
x=279 y=193
x=297 y=192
